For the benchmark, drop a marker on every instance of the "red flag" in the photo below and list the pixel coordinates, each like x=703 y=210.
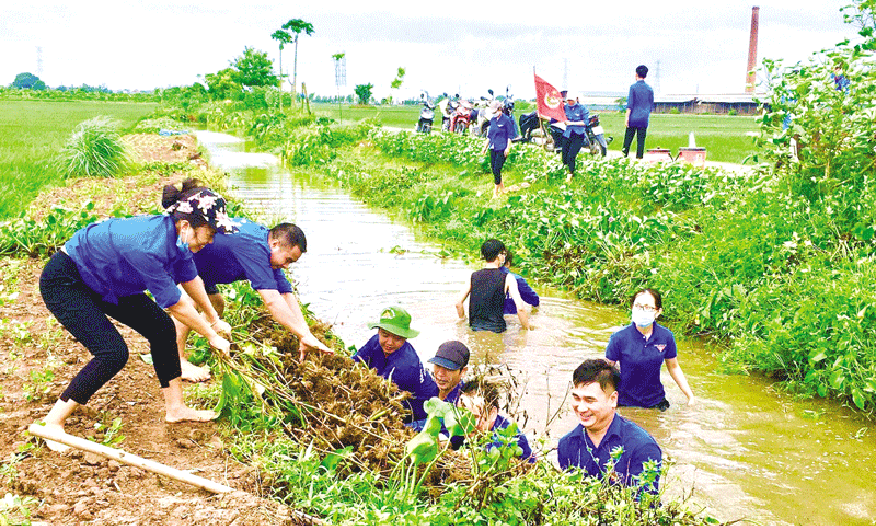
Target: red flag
x=550 y=102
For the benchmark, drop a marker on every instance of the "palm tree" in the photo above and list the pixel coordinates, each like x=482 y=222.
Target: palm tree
x=296 y=26
x=283 y=37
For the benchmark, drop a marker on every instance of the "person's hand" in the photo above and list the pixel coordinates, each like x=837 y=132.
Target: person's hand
x=626 y=123
x=222 y=327
x=507 y=151
x=310 y=342
x=691 y=400
x=220 y=344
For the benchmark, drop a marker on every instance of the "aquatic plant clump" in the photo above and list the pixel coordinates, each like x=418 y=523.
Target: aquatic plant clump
x=94 y=149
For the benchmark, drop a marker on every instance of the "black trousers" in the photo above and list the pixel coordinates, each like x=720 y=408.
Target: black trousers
x=82 y=312
x=571 y=146
x=497 y=161
x=640 y=133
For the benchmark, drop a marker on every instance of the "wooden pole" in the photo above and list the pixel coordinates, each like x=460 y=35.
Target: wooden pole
x=127 y=458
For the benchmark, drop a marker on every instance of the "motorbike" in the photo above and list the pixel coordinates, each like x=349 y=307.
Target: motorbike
x=427 y=118
x=461 y=119
x=595 y=141
x=528 y=123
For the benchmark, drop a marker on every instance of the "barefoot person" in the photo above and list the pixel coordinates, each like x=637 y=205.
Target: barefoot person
x=103 y=271
x=259 y=255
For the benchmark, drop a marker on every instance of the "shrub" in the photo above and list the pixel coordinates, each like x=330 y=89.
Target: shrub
x=95 y=148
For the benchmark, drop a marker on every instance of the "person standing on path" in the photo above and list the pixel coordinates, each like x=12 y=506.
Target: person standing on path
x=104 y=270
x=575 y=135
x=487 y=288
x=640 y=103
x=499 y=137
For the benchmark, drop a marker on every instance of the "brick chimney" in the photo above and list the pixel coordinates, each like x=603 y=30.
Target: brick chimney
x=751 y=72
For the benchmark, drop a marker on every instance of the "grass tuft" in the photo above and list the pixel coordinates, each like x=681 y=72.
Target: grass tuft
x=95 y=149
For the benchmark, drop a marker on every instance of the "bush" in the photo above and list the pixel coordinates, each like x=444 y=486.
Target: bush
x=95 y=148
x=674 y=111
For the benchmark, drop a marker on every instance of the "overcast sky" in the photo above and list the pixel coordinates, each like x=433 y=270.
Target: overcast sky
x=690 y=46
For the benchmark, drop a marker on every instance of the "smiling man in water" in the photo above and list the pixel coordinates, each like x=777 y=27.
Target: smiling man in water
x=259 y=255
x=392 y=357
x=590 y=444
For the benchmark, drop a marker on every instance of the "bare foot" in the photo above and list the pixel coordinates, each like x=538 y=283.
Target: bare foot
x=569 y=178
x=187 y=414
x=51 y=444
x=193 y=373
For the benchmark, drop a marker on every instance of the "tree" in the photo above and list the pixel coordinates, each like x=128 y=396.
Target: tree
x=283 y=37
x=26 y=81
x=296 y=26
x=221 y=84
x=254 y=68
x=363 y=91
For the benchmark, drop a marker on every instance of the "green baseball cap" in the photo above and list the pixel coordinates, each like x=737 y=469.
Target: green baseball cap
x=397 y=321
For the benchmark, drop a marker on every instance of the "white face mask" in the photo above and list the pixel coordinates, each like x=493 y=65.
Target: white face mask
x=643 y=318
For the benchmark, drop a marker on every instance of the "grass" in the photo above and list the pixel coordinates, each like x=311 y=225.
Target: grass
x=31 y=135
x=725 y=138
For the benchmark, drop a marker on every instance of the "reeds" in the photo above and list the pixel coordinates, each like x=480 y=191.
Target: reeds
x=94 y=149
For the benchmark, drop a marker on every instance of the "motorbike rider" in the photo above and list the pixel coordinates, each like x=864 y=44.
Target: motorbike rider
x=446 y=110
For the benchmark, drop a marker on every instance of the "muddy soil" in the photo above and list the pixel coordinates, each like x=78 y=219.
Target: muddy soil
x=37 y=360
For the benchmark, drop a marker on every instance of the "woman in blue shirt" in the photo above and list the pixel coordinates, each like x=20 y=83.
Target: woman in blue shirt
x=499 y=143
x=104 y=270
x=641 y=348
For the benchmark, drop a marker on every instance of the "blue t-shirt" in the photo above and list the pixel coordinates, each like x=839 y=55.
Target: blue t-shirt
x=452 y=398
x=244 y=254
x=577 y=113
x=501 y=131
x=640 y=102
x=122 y=257
x=526 y=294
x=502 y=423
x=577 y=450
x=640 y=363
x=405 y=370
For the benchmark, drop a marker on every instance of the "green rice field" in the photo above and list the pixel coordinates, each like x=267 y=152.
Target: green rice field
x=32 y=133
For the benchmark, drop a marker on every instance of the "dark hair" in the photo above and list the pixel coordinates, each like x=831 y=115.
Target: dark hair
x=597 y=370
x=170 y=195
x=486 y=389
x=508 y=257
x=290 y=235
x=491 y=249
x=658 y=302
x=642 y=71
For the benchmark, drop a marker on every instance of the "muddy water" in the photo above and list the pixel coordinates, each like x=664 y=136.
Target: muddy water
x=743 y=450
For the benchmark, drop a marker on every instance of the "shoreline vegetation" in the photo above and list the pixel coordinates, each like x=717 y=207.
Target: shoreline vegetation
x=329 y=452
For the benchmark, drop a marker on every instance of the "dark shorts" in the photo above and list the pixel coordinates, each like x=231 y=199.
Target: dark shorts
x=211 y=289
x=663 y=405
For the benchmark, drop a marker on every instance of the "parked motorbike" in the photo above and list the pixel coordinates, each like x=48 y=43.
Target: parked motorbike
x=596 y=136
x=528 y=122
x=462 y=117
x=427 y=118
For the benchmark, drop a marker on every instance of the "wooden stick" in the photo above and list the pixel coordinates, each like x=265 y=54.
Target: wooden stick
x=127 y=458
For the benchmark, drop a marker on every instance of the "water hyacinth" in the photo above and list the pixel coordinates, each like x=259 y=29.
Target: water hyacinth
x=94 y=149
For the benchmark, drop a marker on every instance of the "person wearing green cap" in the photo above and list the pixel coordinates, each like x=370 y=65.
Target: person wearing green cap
x=392 y=357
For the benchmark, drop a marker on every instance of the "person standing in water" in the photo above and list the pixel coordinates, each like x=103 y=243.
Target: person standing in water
x=640 y=349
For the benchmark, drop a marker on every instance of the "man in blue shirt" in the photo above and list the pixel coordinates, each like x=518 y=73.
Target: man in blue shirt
x=499 y=137
x=260 y=256
x=640 y=102
x=575 y=135
x=589 y=446
x=392 y=357
x=526 y=293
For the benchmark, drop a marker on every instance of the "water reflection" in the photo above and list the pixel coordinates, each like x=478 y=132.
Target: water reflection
x=744 y=450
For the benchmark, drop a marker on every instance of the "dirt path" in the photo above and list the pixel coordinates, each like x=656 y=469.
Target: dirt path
x=38 y=359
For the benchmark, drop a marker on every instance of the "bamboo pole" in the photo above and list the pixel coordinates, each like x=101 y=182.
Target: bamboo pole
x=127 y=458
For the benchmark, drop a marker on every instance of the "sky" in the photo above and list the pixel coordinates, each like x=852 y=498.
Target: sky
x=689 y=46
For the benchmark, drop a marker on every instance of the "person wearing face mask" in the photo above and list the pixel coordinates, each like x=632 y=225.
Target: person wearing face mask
x=640 y=349
x=260 y=256
x=104 y=270
x=392 y=357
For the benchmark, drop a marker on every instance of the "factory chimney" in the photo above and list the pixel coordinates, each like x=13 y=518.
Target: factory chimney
x=751 y=73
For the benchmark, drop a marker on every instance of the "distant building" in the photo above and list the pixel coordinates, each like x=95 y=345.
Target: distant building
x=716 y=104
